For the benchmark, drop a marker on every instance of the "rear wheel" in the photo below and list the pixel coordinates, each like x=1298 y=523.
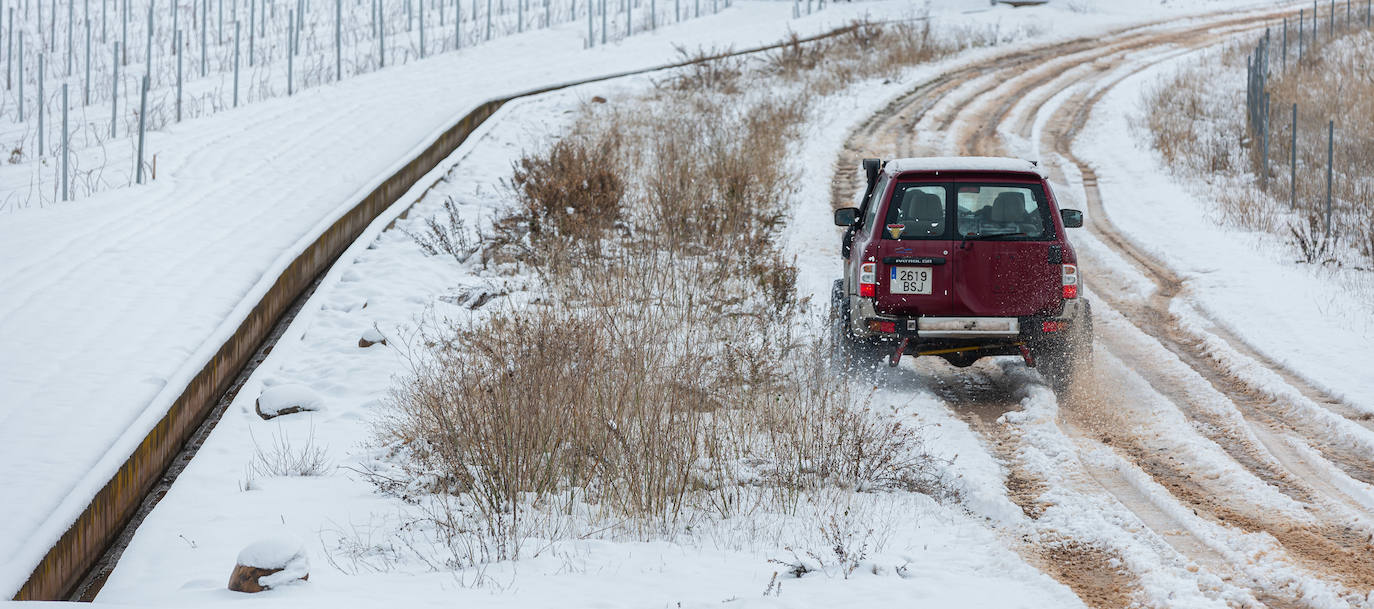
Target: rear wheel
x=1064 y=359
x=847 y=353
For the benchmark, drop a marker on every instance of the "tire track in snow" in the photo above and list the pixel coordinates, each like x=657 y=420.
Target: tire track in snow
x=1024 y=490
x=1337 y=546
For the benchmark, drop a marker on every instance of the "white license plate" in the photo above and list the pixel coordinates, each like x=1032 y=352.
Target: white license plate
x=909 y=280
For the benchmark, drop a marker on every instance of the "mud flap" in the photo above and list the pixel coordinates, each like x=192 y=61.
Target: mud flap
x=896 y=356
x=1026 y=355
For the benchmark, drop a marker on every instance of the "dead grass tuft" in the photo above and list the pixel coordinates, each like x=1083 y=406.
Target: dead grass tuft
x=573 y=189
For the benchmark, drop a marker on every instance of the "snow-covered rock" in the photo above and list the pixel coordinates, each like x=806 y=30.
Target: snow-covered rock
x=371 y=336
x=287 y=399
x=268 y=563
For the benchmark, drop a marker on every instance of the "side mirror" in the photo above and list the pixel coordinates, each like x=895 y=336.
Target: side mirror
x=1072 y=218
x=847 y=216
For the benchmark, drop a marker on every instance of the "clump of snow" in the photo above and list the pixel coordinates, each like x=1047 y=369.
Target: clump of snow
x=284 y=552
x=288 y=399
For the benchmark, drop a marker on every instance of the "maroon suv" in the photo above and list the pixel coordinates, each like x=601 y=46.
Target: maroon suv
x=961 y=258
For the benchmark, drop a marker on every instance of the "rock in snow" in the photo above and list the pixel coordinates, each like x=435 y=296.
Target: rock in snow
x=371 y=336
x=287 y=399
x=269 y=563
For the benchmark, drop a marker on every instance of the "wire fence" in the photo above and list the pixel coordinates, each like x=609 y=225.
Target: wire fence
x=134 y=66
x=1315 y=157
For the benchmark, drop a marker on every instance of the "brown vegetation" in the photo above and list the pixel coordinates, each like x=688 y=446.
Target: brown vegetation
x=1200 y=129
x=667 y=374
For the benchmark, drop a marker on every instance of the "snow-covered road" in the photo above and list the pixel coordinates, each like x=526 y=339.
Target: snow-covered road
x=1256 y=477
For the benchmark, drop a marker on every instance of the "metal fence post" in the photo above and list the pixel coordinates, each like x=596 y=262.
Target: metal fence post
x=142 y=127
x=458 y=24
x=179 y=61
x=252 y=32
x=381 y=35
x=149 y=58
x=86 y=99
x=338 y=40
x=290 y=53
x=1293 y=161
x=9 y=50
x=422 y=29
x=1264 y=155
x=591 y=14
x=488 y=36
x=114 y=92
x=1330 y=152
x=124 y=35
x=65 y=143
x=21 y=76
x=605 y=23
x=41 y=78
x=204 y=33
x=238 y=35
x=71 y=25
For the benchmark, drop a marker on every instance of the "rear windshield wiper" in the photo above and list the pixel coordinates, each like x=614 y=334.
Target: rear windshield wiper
x=972 y=236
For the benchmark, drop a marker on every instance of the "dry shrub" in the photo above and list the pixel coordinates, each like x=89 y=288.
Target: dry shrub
x=1191 y=128
x=666 y=375
x=574 y=188
x=1200 y=129
x=447 y=234
x=707 y=70
x=1248 y=208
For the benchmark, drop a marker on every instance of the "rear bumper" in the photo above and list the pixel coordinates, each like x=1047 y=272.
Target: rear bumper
x=956 y=331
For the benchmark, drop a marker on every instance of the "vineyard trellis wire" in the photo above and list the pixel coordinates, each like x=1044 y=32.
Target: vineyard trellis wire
x=350 y=36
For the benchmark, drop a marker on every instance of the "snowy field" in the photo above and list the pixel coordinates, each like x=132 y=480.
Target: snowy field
x=181 y=553
x=123 y=294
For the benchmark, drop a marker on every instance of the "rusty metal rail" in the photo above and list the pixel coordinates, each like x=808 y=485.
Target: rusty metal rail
x=79 y=549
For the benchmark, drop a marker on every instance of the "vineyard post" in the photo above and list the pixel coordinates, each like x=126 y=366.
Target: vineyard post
x=238 y=35
x=180 y=56
x=114 y=92
x=65 y=148
x=142 y=127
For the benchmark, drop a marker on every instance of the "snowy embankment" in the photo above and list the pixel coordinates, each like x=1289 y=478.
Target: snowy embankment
x=113 y=303
x=930 y=552
x=184 y=549
x=1245 y=281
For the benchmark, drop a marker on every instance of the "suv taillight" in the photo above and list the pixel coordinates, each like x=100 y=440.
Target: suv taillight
x=868 y=280
x=1070 y=281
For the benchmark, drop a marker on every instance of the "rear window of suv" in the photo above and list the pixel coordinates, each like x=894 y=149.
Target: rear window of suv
x=1004 y=211
x=917 y=211
x=981 y=210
